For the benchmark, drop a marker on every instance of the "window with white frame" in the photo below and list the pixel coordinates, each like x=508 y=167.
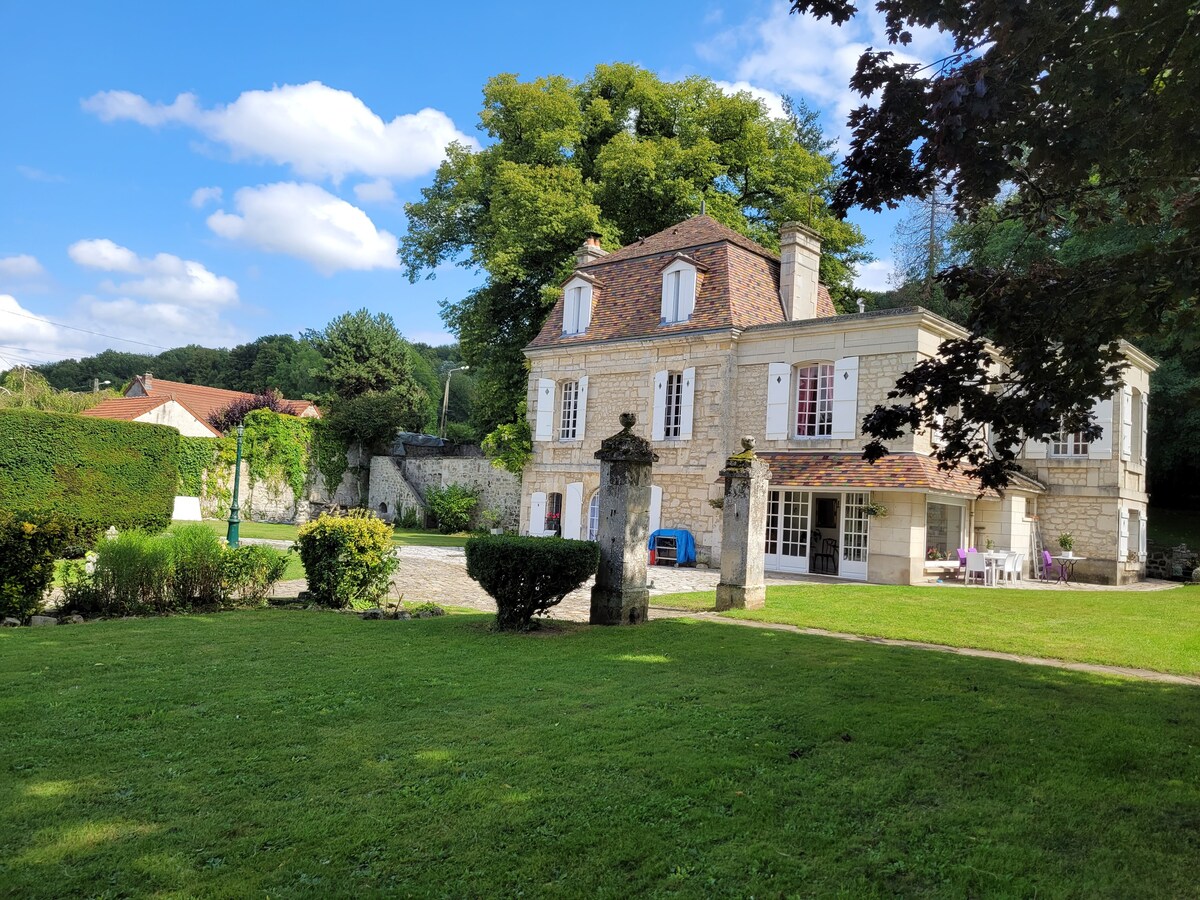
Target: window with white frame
x=593 y=520
x=673 y=409
x=678 y=291
x=568 y=429
x=577 y=307
x=1068 y=444
x=814 y=400
x=943 y=529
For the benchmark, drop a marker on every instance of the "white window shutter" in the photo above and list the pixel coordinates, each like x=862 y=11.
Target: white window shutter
x=572 y=517
x=660 y=406
x=544 y=427
x=1102 y=447
x=1145 y=523
x=938 y=428
x=585 y=307
x=537 y=513
x=1126 y=422
x=581 y=415
x=1145 y=427
x=1036 y=449
x=779 y=391
x=1123 y=542
x=687 y=403
x=655 y=508
x=665 y=313
x=687 y=292
x=845 y=398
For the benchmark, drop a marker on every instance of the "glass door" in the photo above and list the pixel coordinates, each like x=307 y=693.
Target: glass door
x=855 y=531
x=787 y=531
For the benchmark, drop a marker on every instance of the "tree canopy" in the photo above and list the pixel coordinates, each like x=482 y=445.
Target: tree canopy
x=1084 y=114
x=622 y=153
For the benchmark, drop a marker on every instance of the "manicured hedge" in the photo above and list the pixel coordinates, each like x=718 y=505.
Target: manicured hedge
x=527 y=575
x=87 y=474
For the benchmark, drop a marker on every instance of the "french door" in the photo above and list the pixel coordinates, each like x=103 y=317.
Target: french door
x=855 y=530
x=787 y=531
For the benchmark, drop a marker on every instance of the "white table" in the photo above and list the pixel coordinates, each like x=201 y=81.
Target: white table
x=1066 y=567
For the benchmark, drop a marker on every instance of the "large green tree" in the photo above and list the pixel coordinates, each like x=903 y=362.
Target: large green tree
x=1085 y=113
x=622 y=153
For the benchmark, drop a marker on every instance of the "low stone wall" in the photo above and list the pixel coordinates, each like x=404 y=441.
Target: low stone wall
x=1171 y=563
x=398 y=482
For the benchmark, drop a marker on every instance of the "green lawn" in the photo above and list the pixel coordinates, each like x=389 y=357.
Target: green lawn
x=1149 y=629
x=1172 y=527
x=402 y=537
x=307 y=754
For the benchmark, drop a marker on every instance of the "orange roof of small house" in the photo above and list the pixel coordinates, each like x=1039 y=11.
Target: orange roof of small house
x=738 y=287
x=207 y=400
x=894 y=472
x=130 y=408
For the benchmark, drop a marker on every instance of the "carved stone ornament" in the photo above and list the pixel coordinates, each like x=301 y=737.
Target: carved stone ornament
x=625 y=446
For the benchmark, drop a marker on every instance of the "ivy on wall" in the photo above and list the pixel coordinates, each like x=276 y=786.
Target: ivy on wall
x=276 y=448
x=331 y=454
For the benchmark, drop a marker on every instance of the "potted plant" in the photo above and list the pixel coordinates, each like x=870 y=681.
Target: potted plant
x=990 y=545
x=490 y=519
x=876 y=509
x=1067 y=543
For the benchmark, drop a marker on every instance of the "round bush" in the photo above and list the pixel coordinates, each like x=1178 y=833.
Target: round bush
x=348 y=560
x=526 y=576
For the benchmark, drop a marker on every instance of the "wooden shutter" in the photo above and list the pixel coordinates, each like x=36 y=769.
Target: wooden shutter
x=938 y=428
x=1145 y=427
x=845 y=398
x=585 y=307
x=1144 y=521
x=655 y=508
x=1123 y=541
x=657 y=423
x=544 y=428
x=537 y=513
x=572 y=517
x=687 y=292
x=581 y=414
x=779 y=389
x=686 y=403
x=665 y=312
x=1036 y=449
x=1102 y=447
x=1126 y=422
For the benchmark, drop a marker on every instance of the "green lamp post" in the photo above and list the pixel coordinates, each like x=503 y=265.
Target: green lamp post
x=231 y=536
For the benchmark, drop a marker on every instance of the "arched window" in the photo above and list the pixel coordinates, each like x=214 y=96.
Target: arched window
x=593 y=519
x=814 y=400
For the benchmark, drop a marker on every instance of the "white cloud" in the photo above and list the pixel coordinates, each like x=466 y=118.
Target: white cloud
x=39 y=175
x=875 y=276
x=201 y=197
x=23 y=329
x=319 y=131
x=21 y=266
x=165 y=278
x=306 y=221
x=164 y=324
x=770 y=99
x=377 y=191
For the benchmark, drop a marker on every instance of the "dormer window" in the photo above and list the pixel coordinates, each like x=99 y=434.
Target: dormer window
x=678 y=291
x=577 y=306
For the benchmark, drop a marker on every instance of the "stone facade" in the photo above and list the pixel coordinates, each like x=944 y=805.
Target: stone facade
x=397 y=483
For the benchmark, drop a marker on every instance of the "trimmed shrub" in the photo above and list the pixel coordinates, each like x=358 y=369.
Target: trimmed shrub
x=251 y=570
x=27 y=553
x=451 y=506
x=87 y=474
x=526 y=576
x=348 y=560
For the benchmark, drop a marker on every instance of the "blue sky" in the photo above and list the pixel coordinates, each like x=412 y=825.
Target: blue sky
x=210 y=174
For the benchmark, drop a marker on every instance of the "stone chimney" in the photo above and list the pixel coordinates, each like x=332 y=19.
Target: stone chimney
x=147 y=382
x=590 y=250
x=799 y=264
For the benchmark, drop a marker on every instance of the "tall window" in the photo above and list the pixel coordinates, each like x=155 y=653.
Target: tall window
x=673 y=410
x=943 y=528
x=568 y=429
x=1138 y=426
x=554 y=505
x=814 y=400
x=593 y=529
x=1064 y=444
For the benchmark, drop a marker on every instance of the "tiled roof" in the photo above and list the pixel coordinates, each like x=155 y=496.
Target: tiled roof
x=896 y=471
x=204 y=401
x=738 y=286
x=130 y=408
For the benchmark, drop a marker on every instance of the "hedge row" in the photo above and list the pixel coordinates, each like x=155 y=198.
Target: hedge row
x=87 y=473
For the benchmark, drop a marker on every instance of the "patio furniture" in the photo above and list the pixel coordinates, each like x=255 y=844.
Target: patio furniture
x=1010 y=568
x=826 y=560
x=977 y=567
x=1048 y=573
x=1066 y=567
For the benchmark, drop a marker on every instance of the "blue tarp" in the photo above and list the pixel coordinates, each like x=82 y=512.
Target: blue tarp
x=685 y=544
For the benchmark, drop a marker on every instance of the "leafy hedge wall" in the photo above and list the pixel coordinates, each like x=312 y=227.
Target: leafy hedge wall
x=86 y=472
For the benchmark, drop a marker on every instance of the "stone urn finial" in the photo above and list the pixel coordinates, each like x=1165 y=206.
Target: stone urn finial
x=748 y=443
x=628 y=420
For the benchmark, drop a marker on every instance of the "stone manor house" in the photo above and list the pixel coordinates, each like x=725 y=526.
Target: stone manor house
x=707 y=336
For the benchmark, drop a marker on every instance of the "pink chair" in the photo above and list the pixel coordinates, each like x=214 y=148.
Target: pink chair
x=1048 y=573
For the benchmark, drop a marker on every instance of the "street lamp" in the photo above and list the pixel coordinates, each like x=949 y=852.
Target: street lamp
x=446 y=399
x=231 y=536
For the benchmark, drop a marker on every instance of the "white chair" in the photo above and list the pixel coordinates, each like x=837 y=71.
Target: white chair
x=977 y=567
x=1011 y=568
x=1020 y=567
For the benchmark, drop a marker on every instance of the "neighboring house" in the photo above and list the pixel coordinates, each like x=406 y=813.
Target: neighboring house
x=206 y=400
x=708 y=336
x=164 y=410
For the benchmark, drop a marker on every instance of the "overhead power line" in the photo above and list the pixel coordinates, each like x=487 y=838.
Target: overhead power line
x=111 y=337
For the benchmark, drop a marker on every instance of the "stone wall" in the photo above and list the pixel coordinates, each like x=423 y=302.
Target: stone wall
x=397 y=483
x=1172 y=563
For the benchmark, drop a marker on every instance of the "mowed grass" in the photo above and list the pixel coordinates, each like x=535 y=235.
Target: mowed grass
x=402 y=537
x=308 y=754
x=1157 y=630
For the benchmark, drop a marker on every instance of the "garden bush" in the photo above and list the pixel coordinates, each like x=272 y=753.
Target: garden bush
x=452 y=506
x=197 y=566
x=526 y=576
x=251 y=570
x=348 y=560
x=27 y=553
